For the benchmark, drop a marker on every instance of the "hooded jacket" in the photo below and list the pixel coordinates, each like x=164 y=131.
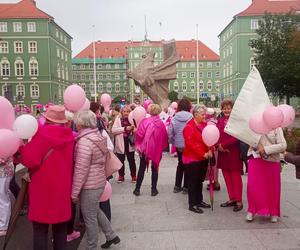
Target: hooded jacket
x=49 y=157
x=90 y=156
x=175 y=131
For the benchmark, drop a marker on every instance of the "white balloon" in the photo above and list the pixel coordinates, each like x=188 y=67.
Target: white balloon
x=25 y=126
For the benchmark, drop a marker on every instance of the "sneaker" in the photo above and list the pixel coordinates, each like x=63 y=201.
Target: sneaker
x=154 y=192
x=136 y=192
x=177 y=190
x=133 y=179
x=121 y=179
x=3 y=232
x=274 y=219
x=108 y=243
x=249 y=217
x=73 y=236
x=184 y=191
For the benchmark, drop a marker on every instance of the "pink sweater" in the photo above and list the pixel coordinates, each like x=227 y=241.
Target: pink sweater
x=90 y=155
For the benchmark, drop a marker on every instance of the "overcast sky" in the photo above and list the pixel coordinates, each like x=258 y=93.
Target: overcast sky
x=122 y=20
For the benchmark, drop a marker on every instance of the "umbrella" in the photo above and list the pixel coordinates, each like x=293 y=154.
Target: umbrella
x=16 y=211
x=211 y=185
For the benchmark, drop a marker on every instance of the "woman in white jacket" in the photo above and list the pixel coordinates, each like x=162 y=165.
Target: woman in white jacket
x=122 y=130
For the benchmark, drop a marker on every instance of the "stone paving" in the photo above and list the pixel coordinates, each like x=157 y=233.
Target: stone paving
x=164 y=222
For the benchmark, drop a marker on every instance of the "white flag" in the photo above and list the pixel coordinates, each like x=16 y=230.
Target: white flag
x=253 y=98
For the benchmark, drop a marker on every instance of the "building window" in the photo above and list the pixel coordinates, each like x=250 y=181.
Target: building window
x=125 y=86
x=5 y=67
x=57 y=52
x=184 y=74
x=209 y=74
x=3 y=26
x=3 y=47
x=184 y=86
x=74 y=77
x=65 y=40
x=183 y=65
x=192 y=86
x=117 y=76
x=82 y=66
x=109 y=87
x=83 y=86
x=100 y=87
x=209 y=86
x=33 y=67
x=99 y=66
x=100 y=76
x=61 y=37
x=31 y=27
x=227 y=69
x=136 y=55
x=17 y=27
x=56 y=33
x=62 y=56
x=192 y=74
x=108 y=66
x=67 y=74
x=175 y=86
x=19 y=67
x=91 y=77
x=62 y=72
x=4 y=89
x=217 y=74
x=58 y=71
x=227 y=52
x=252 y=62
x=20 y=91
x=18 y=47
x=66 y=56
x=230 y=68
x=217 y=85
x=32 y=47
x=34 y=91
x=224 y=54
x=201 y=85
x=230 y=32
x=209 y=65
x=254 y=24
x=201 y=64
x=108 y=76
x=200 y=74
x=117 y=87
x=192 y=65
x=92 y=88
x=217 y=64
x=230 y=49
x=74 y=67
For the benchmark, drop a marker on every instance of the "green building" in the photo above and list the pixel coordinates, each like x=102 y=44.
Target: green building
x=113 y=59
x=236 y=56
x=35 y=55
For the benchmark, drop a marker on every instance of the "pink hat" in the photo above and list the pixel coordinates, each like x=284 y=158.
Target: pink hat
x=56 y=113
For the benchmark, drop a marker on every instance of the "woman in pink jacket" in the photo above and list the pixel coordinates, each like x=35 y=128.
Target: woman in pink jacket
x=49 y=157
x=89 y=179
x=151 y=139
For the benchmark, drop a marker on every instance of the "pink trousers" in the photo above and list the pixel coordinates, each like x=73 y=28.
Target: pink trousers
x=234 y=185
x=263 y=190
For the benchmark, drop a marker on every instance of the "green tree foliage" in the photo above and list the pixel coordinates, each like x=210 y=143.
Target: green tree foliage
x=278 y=54
x=173 y=96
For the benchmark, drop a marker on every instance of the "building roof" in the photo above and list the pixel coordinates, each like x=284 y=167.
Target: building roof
x=259 y=7
x=98 y=60
x=186 y=50
x=22 y=9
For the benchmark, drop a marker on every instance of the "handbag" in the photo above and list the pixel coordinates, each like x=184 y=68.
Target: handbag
x=112 y=164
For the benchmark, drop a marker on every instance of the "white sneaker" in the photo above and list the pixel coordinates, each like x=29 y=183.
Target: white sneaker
x=249 y=217
x=274 y=219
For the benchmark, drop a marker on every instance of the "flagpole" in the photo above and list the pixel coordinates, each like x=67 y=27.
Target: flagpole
x=197 y=63
x=95 y=82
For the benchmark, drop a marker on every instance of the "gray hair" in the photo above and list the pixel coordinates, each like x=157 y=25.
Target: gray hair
x=69 y=115
x=199 y=108
x=86 y=119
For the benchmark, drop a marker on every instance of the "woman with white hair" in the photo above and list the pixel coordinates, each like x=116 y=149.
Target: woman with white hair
x=89 y=178
x=151 y=139
x=195 y=158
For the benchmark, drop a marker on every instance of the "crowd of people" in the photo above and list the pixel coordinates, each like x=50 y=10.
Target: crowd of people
x=66 y=165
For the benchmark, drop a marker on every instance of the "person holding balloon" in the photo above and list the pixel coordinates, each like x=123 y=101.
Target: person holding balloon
x=89 y=178
x=229 y=160
x=151 y=139
x=121 y=130
x=195 y=158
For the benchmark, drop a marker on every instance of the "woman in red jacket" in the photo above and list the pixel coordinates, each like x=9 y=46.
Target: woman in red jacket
x=229 y=161
x=195 y=158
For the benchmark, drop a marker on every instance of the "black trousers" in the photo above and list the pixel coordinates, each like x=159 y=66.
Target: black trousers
x=14 y=187
x=130 y=158
x=70 y=223
x=196 y=172
x=180 y=172
x=40 y=236
x=141 y=173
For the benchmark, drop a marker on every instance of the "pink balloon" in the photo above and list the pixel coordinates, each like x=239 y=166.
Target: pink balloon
x=11 y=141
x=105 y=100
x=139 y=113
x=106 y=193
x=273 y=117
x=86 y=105
x=147 y=103
x=210 y=135
x=257 y=124
x=130 y=118
x=7 y=114
x=174 y=105
x=288 y=115
x=74 y=97
x=41 y=121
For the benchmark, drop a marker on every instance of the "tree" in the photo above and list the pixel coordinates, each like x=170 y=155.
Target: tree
x=277 y=54
x=173 y=96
